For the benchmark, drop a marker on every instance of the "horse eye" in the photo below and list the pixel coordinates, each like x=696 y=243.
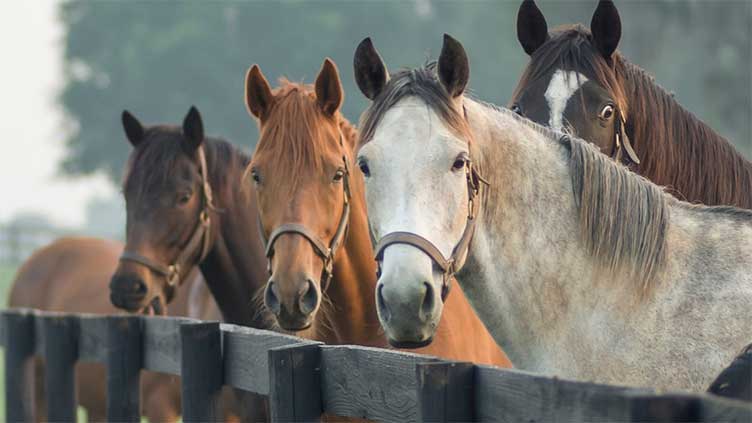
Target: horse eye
x=517 y=109
x=339 y=175
x=607 y=112
x=184 y=198
x=255 y=176
x=364 y=167
x=459 y=163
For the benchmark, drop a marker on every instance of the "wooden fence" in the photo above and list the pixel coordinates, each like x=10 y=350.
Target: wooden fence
x=304 y=378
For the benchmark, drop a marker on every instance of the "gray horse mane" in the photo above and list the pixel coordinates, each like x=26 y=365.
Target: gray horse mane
x=624 y=217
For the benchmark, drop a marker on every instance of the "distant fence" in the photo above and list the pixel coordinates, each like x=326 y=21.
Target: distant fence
x=304 y=378
x=18 y=242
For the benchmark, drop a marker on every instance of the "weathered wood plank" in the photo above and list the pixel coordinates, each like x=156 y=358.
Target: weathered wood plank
x=446 y=391
x=295 y=384
x=682 y=407
x=370 y=383
x=161 y=344
x=60 y=354
x=92 y=338
x=516 y=396
x=201 y=371
x=716 y=409
x=245 y=356
x=123 y=368
x=19 y=351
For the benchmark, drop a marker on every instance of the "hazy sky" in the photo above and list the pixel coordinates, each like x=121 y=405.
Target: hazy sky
x=31 y=121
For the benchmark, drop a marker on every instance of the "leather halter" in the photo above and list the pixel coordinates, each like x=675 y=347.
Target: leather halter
x=324 y=251
x=449 y=266
x=622 y=143
x=199 y=239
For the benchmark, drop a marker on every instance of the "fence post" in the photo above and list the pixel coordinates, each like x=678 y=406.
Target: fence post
x=60 y=353
x=201 y=371
x=666 y=408
x=446 y=391
x=123 y=368
x=19 y=364
x=295 y=383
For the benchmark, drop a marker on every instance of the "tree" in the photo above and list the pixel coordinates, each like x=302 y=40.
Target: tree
x=157 y=59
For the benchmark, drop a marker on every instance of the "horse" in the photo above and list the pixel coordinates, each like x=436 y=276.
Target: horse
x=184 y=209
x=578 y=267
x=577 y=81
x=71 y=275
x=313 y=217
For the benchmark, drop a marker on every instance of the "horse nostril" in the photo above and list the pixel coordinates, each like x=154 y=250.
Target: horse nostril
x=426 y=307
x=383 y=309
x=140 y=287
x=309 y=300
x=271 y=299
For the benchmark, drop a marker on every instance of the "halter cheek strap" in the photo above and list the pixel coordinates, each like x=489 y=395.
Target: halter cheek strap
x=449 y=266
x=200 y=240
x=622 y=142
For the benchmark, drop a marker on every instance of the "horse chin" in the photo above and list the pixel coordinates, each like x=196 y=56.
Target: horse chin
x=410 y=345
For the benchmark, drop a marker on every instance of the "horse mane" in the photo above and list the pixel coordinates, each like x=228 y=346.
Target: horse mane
x=293 y=133
x=153 y=163
x=677 y=149
x=422 y=82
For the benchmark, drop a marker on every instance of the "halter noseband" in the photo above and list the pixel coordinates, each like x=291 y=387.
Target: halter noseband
x=200 y=238
x=324 y=251
x=622 y=142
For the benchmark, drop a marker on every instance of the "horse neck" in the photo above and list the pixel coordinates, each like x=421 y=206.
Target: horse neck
x=235 y=268
x=349 y=315
x=523 y=297
x=679 y=151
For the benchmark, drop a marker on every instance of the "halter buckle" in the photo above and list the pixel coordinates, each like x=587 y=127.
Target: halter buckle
x=173 y=275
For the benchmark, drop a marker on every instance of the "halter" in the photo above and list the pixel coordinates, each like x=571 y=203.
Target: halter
x=449 y=266
x=200 y=238
x=324 y=251
x=622 y=140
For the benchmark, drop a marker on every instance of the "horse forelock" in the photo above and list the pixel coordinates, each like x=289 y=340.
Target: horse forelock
x=570 y=48
x=297 y=132
x=423 y=83
x=153 y=163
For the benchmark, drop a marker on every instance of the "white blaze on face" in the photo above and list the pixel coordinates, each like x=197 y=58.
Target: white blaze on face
x=560 y=89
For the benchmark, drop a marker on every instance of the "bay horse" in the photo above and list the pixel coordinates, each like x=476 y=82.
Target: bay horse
x=577 y=81
x=71 y=275
x=578 y=267
x=184 y=209
x=313 y=216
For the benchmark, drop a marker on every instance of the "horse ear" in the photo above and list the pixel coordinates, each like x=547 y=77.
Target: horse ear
x=193 y=130
x=532 y=30
x=258 y=94
x=606 y=28
x=370 y=71
x=454 y=68
x=329 y=88
x=134 y=131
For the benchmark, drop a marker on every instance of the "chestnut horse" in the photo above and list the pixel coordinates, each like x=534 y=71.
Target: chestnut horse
x=184 y=209
x=313 y=216
x=577 y=80
x=71 y=275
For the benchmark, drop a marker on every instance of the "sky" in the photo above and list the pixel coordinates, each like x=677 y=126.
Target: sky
x=31 y=122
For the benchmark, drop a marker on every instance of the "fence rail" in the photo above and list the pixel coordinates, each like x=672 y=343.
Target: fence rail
x=304 y=379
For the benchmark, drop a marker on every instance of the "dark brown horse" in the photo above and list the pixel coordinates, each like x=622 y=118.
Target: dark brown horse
x=185 y=208
x=71 y=275
x=577 y=81
x=313 y=215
